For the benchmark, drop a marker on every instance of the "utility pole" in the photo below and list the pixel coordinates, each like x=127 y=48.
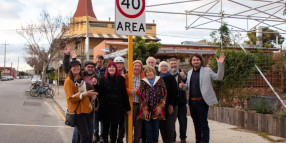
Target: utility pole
x=12 y=69
x=221 y=47
x=4 y=57
x=87 y=39
x=18 y=67
x=281 y=62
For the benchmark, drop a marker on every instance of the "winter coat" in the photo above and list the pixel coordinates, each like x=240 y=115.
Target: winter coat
x=113 y=99
x=172 y=90
x=151 y=97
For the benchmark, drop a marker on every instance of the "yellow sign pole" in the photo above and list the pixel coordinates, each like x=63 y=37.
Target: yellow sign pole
x=56 y=66
x=130 y=83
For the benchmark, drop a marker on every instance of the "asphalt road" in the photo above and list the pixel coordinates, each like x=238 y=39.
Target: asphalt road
x=26 y=119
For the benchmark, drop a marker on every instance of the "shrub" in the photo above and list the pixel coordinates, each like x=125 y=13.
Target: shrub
x=281 y=114
x=262 y=107
x=238 y=68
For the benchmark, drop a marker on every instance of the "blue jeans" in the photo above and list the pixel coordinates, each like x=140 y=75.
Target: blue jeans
x=199 y=113
x=74 y=136
x=152 y=130
x=183 y=120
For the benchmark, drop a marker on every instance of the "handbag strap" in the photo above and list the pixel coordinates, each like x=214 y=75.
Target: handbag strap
x=76 y=107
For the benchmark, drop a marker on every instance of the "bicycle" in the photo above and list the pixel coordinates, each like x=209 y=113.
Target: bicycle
x=38 y=90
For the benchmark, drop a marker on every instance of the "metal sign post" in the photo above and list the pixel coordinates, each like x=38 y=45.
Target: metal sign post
x=130 y=20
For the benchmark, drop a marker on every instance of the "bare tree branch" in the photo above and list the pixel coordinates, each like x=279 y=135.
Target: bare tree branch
x=44 y=41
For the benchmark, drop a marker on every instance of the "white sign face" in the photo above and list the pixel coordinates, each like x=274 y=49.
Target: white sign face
x=130 y=17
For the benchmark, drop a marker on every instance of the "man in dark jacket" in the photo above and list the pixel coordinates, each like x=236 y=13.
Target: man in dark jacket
x=99 y=66
x=180 y=76
x=119 y=61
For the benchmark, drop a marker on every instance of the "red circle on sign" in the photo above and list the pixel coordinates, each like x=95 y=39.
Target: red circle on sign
x=128 y=15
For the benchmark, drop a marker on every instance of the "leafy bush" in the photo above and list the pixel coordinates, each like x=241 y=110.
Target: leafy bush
x=281 y=114
x=238 y=69
x=262 y=107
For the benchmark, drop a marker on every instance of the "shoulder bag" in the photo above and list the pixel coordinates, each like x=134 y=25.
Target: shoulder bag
x=70 y=117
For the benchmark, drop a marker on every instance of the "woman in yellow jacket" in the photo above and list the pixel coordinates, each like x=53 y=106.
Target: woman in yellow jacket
x=78 y=101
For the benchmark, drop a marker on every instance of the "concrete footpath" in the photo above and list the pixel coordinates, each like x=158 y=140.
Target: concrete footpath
x=219 y=132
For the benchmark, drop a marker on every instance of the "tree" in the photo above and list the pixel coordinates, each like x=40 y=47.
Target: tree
x=268 y=37
x=37 y=64
x=44 y=41
x=223 y=33
x=143 y=50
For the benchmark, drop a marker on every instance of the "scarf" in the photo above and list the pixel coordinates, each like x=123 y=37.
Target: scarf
x=151 y=81
x=165 y=75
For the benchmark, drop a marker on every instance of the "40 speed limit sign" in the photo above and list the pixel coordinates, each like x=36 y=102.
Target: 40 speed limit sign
x=130 y=17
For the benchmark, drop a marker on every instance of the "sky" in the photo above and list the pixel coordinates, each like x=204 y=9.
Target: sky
x=170 y=27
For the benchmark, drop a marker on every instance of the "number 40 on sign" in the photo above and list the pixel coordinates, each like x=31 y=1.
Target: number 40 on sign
x=130 y=17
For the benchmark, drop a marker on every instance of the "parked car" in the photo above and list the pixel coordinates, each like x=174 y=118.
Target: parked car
x=10 y=77
x=36 y=78
x=4 y=78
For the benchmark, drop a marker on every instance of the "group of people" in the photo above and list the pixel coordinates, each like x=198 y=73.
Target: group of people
x=159 y=98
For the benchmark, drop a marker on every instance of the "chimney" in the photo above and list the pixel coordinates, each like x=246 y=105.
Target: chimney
x=259 y=36
x=84 y=8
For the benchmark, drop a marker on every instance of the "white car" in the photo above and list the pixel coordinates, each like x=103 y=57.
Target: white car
x=4 y=78
x=10 y=77
x=36 y=78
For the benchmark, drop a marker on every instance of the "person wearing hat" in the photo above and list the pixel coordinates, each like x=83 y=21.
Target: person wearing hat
x=119 y=61
x=136 y=78
x=78 y=102
x=89 y=77
x=99 y=66
x=120 y=64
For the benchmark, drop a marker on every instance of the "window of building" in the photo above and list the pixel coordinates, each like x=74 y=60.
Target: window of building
x=98 y=25
x=149 y=27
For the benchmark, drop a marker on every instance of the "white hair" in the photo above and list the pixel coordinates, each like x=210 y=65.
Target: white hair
x=163 y=63
x=149 y=58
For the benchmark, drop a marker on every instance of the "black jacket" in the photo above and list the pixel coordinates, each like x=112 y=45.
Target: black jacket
x=66 y=62
x=172 y=90
x=100 y=72
x=182 y=94
x=113 y=99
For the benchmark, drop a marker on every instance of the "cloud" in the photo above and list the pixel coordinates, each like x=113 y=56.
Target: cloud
x=10 y=9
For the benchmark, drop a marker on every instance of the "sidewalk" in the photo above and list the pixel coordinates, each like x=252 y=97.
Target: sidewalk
x=219 y=132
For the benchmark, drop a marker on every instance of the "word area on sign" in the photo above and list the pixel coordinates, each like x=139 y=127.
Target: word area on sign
x=132 y=27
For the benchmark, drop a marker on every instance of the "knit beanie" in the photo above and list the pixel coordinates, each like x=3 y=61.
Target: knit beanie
x=74 y=62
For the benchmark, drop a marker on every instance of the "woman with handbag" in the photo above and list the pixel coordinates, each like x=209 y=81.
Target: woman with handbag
x=78 y=103
x=153 y=97
x=113 y=101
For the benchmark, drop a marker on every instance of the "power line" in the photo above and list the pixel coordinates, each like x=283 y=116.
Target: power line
x=172 y=3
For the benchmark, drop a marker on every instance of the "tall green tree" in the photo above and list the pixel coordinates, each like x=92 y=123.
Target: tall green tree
x=223 y=33
x=268 y=37
x=142 y=50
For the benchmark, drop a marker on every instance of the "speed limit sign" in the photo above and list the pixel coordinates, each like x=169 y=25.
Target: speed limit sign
x=130 y=17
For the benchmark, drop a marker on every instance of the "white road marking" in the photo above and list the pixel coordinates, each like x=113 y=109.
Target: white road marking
x=26 y=125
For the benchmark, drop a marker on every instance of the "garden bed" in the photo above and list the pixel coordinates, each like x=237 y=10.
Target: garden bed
x=251 y=120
